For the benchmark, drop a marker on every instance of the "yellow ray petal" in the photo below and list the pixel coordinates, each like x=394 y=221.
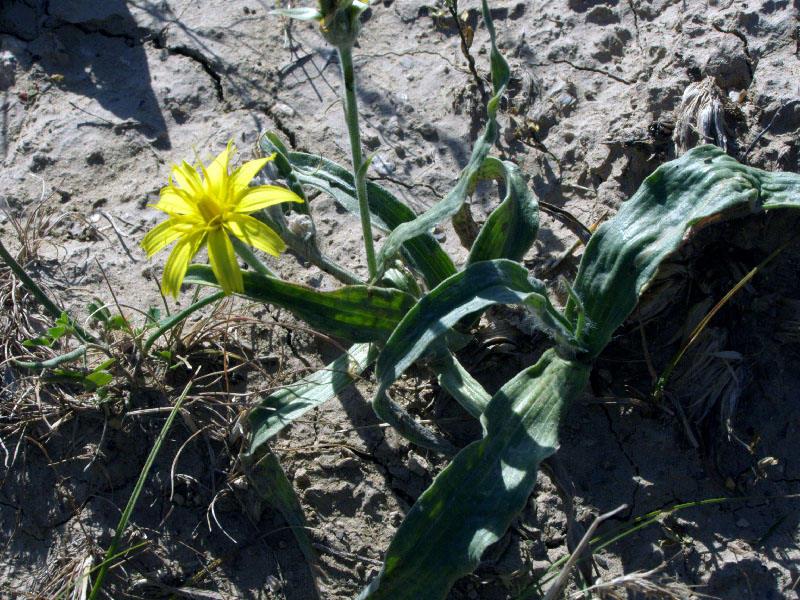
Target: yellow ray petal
x=187 y=178
x=255 y=233
x=178 y=262
x=160 y=236
x=223 y=262
x=218 y=169
x=242 y=176
x=254 y=198
x=176 y=201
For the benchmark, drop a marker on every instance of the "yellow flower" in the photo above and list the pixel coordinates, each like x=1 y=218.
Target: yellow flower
x=205 y=210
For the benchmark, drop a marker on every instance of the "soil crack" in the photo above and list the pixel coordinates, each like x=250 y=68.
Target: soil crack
x=745 y=47
x=632 y=503
x=592 y=69
x=87 y=30
x=635 y=23
x=199 y=58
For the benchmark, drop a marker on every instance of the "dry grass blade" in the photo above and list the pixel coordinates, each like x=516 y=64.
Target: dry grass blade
x=658 y=393
x=640 y=583
x=559 y=583
x=702 y=111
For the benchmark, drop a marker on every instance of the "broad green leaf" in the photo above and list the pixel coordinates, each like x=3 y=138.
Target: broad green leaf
x=460 y=384
x=306 y=246
x=473 y=500
x=39 y=341
x=97 y=379
x=452 y=202
x=422 y=252
x=511 y=229
x=98 y=310
x=279 y=409
x=153 y=316
x=357 y=313
x=623 y=256
x=465 y=294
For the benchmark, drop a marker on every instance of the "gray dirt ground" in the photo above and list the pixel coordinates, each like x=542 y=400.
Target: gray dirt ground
x=99 y=97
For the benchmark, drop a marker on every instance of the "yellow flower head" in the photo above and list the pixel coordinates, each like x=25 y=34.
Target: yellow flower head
x=205 y=210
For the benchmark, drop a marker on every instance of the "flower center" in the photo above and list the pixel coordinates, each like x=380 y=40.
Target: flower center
x=211 y=212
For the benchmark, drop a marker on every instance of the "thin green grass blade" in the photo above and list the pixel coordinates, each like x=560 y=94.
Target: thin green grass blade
x=269 y=479
x=624 y=254
x=423 y=329
x=356 y=313
x=137 y=490
x=452 y=202
x=277 y=410
x=511 y=229
x=473 y=500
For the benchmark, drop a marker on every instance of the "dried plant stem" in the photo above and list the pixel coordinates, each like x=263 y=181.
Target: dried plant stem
x=359 y=170
x=40 y=295
x=555 y=589
x=658 y=393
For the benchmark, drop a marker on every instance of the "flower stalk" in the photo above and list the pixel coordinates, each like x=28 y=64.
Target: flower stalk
x=359 y=170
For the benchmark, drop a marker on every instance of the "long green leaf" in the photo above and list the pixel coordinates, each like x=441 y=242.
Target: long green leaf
x=53 y=362
x=277 y=410
x=465 y=294
x=452 y=202
x=511 y=229
x=624 y=254
x=306 y=246
x=357 y=313
x=472 y=502
x=460 y=384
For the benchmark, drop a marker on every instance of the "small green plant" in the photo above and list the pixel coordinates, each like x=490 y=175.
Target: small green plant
x=416 y=305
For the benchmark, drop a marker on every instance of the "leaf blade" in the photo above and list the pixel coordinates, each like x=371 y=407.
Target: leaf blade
x=624 y=254
x=357 y=313
x=279 y=409
x=426 y=326
x=473 y=500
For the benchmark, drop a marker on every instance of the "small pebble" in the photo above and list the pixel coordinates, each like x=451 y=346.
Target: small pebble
x=417 y=464
x=301 y=478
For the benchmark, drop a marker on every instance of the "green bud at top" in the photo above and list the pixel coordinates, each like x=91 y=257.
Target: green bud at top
x=339 y=24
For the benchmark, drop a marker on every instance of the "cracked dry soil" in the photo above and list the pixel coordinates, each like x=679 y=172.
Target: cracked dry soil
x=99 y=97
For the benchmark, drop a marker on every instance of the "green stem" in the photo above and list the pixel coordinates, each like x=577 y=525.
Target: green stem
x=247 y=255
x=359 y=173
